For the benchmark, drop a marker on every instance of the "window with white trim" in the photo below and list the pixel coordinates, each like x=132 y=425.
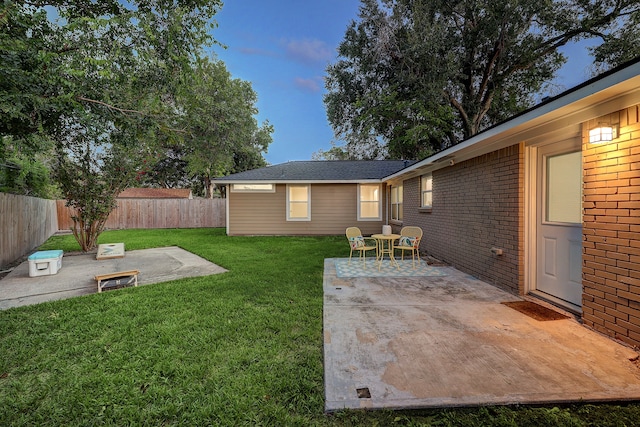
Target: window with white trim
x=253 y=188
x=298 y=202
x=396 y=202
x=369 y=205
x=426 y=190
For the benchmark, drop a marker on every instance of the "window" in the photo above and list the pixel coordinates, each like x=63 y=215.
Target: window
x=253 y=188
x=369 y=206
x=426 y=190
x=396 y=202
x=564 y=188
x=299 y=202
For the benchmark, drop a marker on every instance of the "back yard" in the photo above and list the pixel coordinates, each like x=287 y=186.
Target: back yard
x=239 y=348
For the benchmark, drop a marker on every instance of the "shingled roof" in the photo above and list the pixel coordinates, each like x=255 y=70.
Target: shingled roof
x=320 y=170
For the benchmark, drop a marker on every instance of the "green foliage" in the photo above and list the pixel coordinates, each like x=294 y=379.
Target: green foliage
x=26 y=176
x=622 y=44
x=93 y=166
x=102 y=80
x=126 y=73
x=170 y=169
x=417 y=76
x=336 y=152
x=23 y=174
x=222 y=134
x=31 y=99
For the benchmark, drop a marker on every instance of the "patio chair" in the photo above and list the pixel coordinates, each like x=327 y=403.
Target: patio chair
x=358 y=243
x=410 y=241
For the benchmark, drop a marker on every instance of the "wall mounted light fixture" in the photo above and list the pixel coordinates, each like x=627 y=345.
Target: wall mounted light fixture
x=602 y=133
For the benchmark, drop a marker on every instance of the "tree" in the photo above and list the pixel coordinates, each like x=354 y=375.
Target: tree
x=96 y=162
x=31 y=98
x=25 y=174
x=336 y=152
x=417 y=76
x=222 y=134
x=100 y=80
x=170 y=171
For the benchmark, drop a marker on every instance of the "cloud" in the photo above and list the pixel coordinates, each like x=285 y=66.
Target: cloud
x=258 y=52
x=308 y=50
x=308 y=85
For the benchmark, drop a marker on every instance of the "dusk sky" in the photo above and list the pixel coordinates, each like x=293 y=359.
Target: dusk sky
x=283 y=48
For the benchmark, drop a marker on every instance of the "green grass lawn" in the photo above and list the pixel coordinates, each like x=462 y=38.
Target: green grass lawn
x=239 y=348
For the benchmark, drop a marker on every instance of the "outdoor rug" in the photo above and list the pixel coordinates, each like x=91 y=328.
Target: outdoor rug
x=343 y=269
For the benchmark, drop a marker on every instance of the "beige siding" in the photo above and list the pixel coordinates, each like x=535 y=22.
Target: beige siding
x=333 y=209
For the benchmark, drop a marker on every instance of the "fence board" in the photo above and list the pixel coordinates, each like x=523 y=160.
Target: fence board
x=157 y=213
x=25 y=223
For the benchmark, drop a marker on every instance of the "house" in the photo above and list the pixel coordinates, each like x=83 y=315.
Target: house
x=308 y=197
x=156 y=193
x=546 y=203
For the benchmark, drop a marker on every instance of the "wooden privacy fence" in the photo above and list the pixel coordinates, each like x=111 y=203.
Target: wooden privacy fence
x=25 y=223
x=157 y=213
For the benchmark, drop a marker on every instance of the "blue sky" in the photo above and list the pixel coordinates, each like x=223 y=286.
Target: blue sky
x=283 y=48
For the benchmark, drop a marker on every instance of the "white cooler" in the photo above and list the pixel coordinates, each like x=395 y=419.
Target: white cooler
x=44 y=263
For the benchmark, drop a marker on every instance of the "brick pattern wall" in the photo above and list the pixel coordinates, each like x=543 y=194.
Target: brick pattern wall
x=477 y=205
x=611 y=229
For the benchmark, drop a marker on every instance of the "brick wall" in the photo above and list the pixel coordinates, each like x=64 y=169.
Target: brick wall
x=477 y=205
x=611 y=229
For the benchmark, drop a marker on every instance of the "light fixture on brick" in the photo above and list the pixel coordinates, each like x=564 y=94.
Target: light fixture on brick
x=602 y=133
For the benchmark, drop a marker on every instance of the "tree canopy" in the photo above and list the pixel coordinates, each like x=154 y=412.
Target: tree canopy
x=104 y=88
x=59 y=56
x=416 y=76
x=221 y=134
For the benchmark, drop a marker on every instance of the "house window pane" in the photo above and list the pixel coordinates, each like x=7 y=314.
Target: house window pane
x=298 y=210
x=298 y=193
x=369 y=203
x=253 y=188
x=369 y=210
x=396 y=202
x=427 y=200
x=298 y=202
x=369 y=193
x=564 y=188
x=426 y=190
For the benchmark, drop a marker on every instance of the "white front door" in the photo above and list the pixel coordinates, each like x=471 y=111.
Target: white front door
x=559 y=222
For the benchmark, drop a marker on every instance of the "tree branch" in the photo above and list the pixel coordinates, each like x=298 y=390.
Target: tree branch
x=463 y=113
x=109 y=106
x=126 y=112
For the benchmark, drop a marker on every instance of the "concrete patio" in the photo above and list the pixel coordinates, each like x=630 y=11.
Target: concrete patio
x=447 y=341
x=76 y=277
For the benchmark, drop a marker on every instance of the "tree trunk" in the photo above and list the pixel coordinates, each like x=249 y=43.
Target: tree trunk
x=87 y=233
x=209 y=187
